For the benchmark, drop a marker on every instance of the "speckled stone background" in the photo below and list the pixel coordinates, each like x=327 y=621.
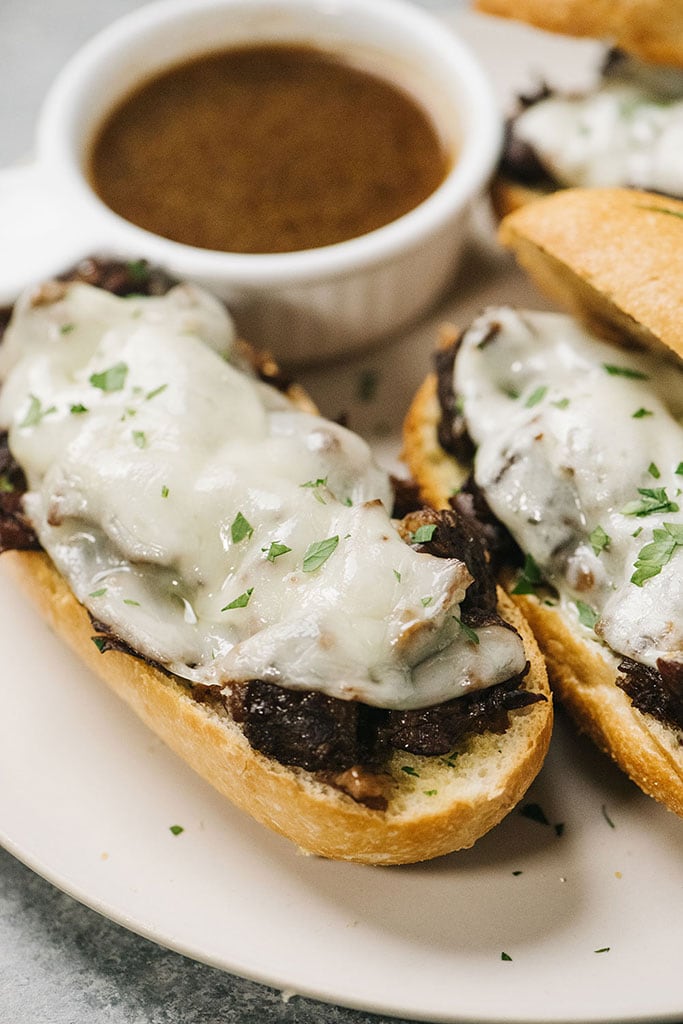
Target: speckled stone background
x=61 y=963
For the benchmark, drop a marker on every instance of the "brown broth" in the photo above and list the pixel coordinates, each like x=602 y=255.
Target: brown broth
x=266 y=149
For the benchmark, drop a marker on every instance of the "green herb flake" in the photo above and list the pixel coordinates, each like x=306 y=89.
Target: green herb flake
x=430 y=792
x=599 y=540
x=240 y=602
x=637 y=533
x=140 y=438
x=640 y=414
x=318 y=553
x=275 y=550
x=36 y=413
x=77 y=409
x=587 y=615
x=505 y=956
x=679 y=469
x=607 y=817
x=663 y=209
x=155 y=391
x=164 y=491
x=368 y=383
x=426 y=601
x=535 y=813
x=530 y=577
x=561 y=403
x=423 y=534
x=6 y=485
x=100 y=643
x=470 y=633
x=625 y=371
x=176 y=829
x=112 y=379
x=67 y=328
x=652 y=500
x=98 y=593
x=536 y=396
x=654 y=556
x=315 y=486
x=653 y=470
x=409 y=770
x=397 y=575
x=517 y=873
x=130 y=601
x=603 y=949
x=138 y=271
x=241 y=528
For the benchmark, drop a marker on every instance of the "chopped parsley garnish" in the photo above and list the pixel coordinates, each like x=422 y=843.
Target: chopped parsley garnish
x=240 y=529
x=164 y=491
x=587 y=615
x=607 y=817
x=140 y=438
x=409 y=770
x=275 y=550
x=430 y=792
x=155 y=391
x=637 y=533
x=603 y=949
x=599 y=540
x=100 y=643
x=138 y=271
x=98 y=593
x=640 y=414
x=6 y=485
x=625 y=371
x=653 y=499
x=423 y=534
x=318 y=553
x=505 y=956
x=130 y=601
x=534 y=812
x=654 y=556
x=315 y=485
x=529 y=579
x=397 y=575
x=176 y=829
x=468 y=631
x=679 y=469
x=112 y=379
x=561 y=403
x=36 y=413
x=536 y=396
x=77 y=408
x=67 y=328
x=425 y=601
x=367 y=385
x=240 y=602
x=653 y=470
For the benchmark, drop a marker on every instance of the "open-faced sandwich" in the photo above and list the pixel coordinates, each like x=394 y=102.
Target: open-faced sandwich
x=627 y=130
x=226 y=559
x=566 y=432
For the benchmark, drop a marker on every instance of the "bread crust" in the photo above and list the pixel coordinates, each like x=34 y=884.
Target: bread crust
x=578 y=253
x=613 y=256
x=487 y=778
x=650 y=29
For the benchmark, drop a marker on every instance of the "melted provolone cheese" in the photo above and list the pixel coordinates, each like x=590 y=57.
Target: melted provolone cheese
x=580 y=455
x=628 y=131
x=213 y=526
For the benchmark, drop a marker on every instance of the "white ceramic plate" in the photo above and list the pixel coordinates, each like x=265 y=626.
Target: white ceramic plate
x=591 y=919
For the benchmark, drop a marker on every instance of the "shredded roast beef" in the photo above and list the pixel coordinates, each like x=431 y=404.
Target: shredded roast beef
x=657 y=692
x=16 y=533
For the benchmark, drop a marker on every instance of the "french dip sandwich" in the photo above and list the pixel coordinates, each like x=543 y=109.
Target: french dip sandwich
x=627 y=130
x=226 y=559
x=567 y=432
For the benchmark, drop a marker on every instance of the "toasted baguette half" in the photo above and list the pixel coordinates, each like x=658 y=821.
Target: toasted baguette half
x=649 y=29
x=438 y=806
x=615 y=260
x=434 y=805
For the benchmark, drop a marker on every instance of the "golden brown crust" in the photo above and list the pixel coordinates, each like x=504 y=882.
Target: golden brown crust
x=581 y=676
x=613 y=256
x=650 y=29
x=463 y=800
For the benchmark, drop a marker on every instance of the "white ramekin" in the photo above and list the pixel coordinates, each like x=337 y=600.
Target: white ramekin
x=303 y=306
